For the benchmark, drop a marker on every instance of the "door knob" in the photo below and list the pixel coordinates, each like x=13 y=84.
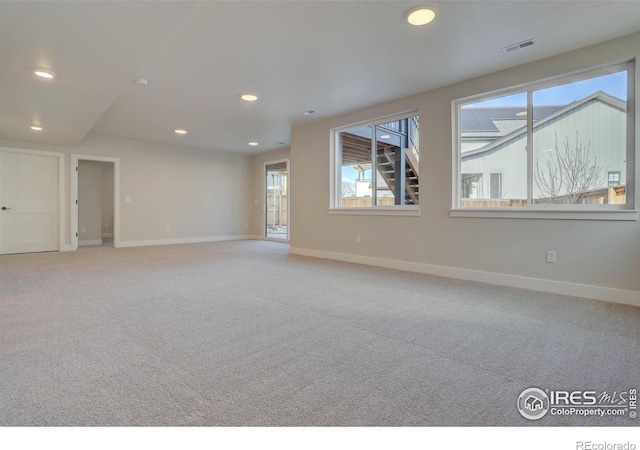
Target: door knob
x=4 y=208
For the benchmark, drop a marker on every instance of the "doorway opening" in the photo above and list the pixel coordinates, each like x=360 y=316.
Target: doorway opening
x=95 y=193
x=276 y=184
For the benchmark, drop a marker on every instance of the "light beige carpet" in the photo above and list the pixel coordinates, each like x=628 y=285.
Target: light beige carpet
x=241 y=333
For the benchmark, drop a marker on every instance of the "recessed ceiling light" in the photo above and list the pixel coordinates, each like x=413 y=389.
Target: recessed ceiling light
x=36 y=128
x=308 y=113
x=385 y=136
x=180 y=131
x=44 y=73
x=142 y=81
x=249 y=97
x=421 y=15
x=253 y=143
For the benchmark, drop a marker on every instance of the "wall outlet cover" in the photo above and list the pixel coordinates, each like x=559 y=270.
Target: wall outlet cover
x=551 y=257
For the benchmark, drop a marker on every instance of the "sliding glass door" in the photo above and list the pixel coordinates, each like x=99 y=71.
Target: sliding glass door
x=277 y=200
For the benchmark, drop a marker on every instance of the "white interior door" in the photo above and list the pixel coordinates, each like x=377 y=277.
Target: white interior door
x=29 y=203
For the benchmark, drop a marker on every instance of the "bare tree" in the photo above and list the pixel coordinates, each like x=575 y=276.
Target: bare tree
x=569 y=174
x=348 y=188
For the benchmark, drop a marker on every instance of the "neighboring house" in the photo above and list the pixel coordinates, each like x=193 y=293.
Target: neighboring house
x=363 y=186
x=494 y=154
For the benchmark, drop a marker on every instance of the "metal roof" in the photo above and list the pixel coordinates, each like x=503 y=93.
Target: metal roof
x=597 y=96
x=482 y=118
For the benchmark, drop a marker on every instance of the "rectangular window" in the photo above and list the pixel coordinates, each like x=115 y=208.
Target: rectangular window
x=613 y=178
x=378 y=163
x=555 y=143
x=496 y=185
x=470 y=184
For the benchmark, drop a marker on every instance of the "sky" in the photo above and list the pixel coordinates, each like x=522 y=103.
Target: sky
x=614 y=84
x=351 y=174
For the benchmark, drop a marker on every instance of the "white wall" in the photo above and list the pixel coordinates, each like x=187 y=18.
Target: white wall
x=199 y=194
x=603 y=254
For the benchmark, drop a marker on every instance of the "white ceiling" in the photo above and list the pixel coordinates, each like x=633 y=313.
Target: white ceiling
x=330 y=56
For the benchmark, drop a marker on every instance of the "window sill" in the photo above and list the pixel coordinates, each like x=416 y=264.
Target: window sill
x=529 y=213
x=378 y=211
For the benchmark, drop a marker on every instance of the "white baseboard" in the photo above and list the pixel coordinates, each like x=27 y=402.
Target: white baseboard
x=535 y=284
x=66 y=248
x=107 y=235
x=91 y=242
x=196 y=240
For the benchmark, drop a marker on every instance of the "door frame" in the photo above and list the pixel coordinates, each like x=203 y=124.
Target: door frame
x=61 y=181
x=263 y=234
x=75 y=158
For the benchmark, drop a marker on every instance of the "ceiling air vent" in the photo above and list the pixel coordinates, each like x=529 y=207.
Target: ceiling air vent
x=518 y=46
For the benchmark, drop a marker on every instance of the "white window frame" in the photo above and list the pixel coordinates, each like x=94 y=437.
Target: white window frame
x=336 y=172
x=627 y=211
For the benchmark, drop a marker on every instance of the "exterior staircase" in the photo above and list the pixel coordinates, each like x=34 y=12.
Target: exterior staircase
x=397 y=163
x=397 y=160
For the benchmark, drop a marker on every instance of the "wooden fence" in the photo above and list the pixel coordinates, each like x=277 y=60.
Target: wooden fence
x=616 y=195
x=277 y=210
x=491 y=202
x=364 y=202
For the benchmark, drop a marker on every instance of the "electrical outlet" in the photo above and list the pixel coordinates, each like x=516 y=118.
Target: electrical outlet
x=167 y=229
x=84 y=230
x=357 y=238
x=551 y=257
x=127 y=199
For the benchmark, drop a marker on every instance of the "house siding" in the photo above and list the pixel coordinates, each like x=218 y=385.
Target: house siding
x=596 y=124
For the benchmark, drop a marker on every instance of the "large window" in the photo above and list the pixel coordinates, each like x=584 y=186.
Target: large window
x=561 y=144
x=376 y=164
